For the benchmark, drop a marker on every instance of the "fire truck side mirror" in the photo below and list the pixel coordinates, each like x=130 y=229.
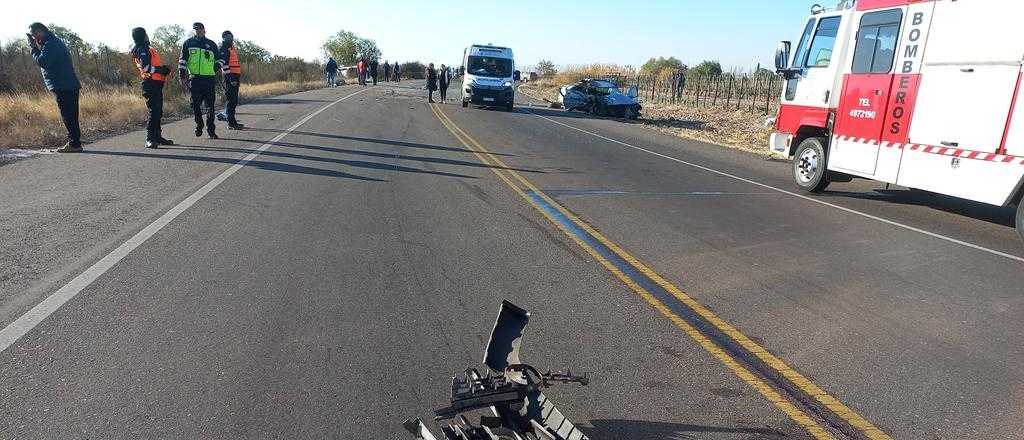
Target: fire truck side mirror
x=782 y=56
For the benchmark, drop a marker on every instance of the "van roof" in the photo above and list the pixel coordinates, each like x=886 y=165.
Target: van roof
x=488 y=50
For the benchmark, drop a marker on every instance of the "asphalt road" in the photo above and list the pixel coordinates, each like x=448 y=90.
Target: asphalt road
x=331 y=284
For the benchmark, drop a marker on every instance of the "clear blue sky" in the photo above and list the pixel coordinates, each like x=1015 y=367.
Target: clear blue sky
x=738 y=33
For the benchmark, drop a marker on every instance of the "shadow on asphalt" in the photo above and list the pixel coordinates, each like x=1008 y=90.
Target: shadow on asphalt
x=283 y=101
x=375 y=141
x=263 y=165
x=636 y=429
x=273 y=166
x=999 y=215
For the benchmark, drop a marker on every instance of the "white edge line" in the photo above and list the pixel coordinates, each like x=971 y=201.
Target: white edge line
x=790 y=193
x=25 y=323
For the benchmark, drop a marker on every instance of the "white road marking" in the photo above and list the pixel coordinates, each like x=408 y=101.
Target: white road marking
x=790 y=193
x=21 y=326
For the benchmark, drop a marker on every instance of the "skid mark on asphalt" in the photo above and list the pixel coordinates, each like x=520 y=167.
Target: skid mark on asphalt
x=569 y=193
x=803 y=401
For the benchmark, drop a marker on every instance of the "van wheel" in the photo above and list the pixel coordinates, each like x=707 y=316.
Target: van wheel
x=809 y=165
x=465 y=103
x=1020 y=219
x=511 y=106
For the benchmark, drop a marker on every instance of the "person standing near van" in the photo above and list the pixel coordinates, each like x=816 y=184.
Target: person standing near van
x=387 y=72
x=398 y=72
x=431 y=82
x=232 y=73
x=154 y=74
x=198 y=69
x=54 y=60
x=444 y=78
x=373 y=71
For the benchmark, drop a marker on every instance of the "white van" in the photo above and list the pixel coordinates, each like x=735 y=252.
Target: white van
x=489 y=78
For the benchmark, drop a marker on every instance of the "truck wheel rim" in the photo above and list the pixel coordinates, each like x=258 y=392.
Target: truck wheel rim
x=807 y=165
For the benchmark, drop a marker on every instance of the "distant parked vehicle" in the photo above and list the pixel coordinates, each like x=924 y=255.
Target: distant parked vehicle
x=600 y=98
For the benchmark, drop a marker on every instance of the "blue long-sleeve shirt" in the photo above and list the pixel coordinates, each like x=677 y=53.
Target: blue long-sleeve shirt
x=54 y=62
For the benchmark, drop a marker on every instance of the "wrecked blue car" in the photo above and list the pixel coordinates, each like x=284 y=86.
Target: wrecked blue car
x=600 y=98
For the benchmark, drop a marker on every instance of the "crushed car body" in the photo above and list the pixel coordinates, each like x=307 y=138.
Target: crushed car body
x=600 y=98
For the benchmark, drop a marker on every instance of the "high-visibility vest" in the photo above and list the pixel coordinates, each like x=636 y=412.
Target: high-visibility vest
x=148 y=71
x=201 y=61
x=233 y=65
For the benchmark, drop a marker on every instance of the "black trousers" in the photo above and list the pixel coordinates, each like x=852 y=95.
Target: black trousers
x=387 y=76
x=231 y=86
x=67 y=103
x=153 y=91
x=443 y=91
x=374 y=76
x=203 y=97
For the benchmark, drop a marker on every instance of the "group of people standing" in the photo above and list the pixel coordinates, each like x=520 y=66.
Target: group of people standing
x=200 y=61
x=438 y=80
x=366 y=71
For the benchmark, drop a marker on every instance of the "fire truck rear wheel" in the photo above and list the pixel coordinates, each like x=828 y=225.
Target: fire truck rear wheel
x=1020 y=219
x=809 y=165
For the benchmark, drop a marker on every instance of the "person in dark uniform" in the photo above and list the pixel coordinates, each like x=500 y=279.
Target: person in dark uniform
x=387 y=72
x=444 y=78
x=398 y=72
x=373 y=70
x=431 y=82
x=54 y=61
x=198 y=65
x=232 y=71
x=154 y=74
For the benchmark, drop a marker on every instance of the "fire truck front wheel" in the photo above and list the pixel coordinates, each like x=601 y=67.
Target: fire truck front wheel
x=809 y=165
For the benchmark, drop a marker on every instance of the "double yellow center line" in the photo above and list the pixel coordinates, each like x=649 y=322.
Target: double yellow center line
x=623 y=265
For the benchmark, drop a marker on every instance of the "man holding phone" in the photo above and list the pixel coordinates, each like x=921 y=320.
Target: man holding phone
x=200 y=60
x=232 y=74
x=54 y=60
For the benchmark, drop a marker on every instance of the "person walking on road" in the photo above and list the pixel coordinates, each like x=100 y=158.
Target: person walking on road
x=444 y=78
x=398 y=72
x=387 y=72
x=331 y=70
x=431 y=82
x=197 y=68
x=232 y=73
x=54 y=60
x=154 y=74
x=373 y=71
x=361 y=69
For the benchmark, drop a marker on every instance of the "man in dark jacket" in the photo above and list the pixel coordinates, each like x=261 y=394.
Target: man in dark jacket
x=200 y=60
x=54 y=60
x=387 y=72
x=232 y=70
x=398 y=72
x=153 y=74
x=373 y=71
x=331 y=70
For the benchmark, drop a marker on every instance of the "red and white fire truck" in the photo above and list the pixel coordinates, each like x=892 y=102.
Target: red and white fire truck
x=923 y=94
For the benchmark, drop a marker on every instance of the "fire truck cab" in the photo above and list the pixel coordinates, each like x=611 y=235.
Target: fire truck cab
x=919 y=93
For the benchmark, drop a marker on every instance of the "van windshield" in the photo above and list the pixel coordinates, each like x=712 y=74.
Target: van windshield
x=489 y=66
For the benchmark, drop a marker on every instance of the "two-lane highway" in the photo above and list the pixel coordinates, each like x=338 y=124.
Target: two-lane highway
x=323 y=274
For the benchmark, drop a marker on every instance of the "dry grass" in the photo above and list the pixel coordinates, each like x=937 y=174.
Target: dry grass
x=33 y=121
x=739 y=129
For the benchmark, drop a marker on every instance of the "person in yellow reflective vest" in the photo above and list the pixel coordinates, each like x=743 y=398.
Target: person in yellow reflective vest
x=232 y=70
x=154 y=74
x=198 y=66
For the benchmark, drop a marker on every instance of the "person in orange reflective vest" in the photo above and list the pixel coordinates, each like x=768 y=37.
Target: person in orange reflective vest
x=153 y=75
x=232 y=76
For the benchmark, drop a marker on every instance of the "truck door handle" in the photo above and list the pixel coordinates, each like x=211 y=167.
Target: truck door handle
x=950 y=144
x=967 y=70
x=878 y=93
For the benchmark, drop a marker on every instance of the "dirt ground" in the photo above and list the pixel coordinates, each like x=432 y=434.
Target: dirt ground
x=739 y=129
